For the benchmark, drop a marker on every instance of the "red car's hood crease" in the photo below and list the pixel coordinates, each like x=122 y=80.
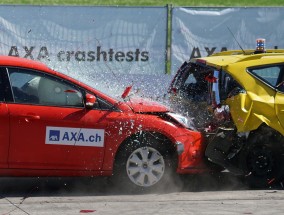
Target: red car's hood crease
x=140 y=105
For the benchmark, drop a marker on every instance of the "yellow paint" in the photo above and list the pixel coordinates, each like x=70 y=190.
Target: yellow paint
x=257 y=105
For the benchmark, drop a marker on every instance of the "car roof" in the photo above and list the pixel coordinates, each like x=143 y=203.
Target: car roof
x=223 y=59
x=22 y=62
x=36 y=65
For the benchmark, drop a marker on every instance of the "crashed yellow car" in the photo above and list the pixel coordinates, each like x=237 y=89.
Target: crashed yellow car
x=236 y=99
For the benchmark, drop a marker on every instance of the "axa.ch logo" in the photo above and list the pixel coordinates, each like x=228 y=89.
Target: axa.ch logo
x=54 y=135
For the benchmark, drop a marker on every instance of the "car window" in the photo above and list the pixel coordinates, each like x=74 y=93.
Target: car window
x=267 y=74
x=102 y=104
x=191 y=79
x=30 y=87
x=192 y=83
x=228 y=85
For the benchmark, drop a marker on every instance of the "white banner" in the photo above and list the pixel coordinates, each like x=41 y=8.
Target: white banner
x=107 y=46
x=199 y=32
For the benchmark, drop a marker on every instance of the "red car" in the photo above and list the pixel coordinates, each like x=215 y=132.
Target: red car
x=53 y=125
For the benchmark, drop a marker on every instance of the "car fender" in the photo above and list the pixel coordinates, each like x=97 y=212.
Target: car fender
x=147 y=123
x=249 y=111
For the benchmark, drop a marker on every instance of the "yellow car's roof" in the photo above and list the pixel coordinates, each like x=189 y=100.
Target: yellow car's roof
x=224 y=59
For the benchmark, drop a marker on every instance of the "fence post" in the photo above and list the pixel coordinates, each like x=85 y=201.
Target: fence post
x=168 y=39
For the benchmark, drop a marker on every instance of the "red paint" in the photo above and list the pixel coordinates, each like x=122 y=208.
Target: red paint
x=210 y=78
x=271 y=181
x=140 y=105
x=87 y=211
x=126 y=92
x=24 y=152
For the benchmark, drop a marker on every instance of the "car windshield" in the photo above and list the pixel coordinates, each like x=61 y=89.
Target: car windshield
x=200 y=88
x=195 y=83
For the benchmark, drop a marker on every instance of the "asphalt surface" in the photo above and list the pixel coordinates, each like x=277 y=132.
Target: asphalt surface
x=205 y=194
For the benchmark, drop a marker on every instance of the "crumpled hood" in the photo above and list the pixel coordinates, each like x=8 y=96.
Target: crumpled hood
x=140 y=105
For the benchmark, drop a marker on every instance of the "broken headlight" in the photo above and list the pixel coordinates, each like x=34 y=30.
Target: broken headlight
x=185 y=121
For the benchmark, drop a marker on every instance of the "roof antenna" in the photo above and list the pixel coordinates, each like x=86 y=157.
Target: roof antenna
x=236 y=40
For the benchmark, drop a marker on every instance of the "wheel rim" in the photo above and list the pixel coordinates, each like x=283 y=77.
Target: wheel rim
x=261 y=161
x=145 y=166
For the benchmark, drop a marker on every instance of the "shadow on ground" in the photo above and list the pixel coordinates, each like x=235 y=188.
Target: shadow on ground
x=100 y=186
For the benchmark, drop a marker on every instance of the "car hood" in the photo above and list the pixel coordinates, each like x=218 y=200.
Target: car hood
x=140 y=105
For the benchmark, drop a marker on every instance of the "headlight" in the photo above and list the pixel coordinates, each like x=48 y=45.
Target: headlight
x=186 y=122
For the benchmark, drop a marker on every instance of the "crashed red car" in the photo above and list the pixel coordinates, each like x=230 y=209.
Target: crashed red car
x=53 y=125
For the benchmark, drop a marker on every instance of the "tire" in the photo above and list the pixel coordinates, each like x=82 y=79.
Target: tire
x=144 y=162
x=262 y=158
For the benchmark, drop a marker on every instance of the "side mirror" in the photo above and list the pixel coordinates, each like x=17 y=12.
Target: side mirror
x=90 y=101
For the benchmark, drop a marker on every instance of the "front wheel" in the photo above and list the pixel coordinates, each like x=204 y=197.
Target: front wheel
x=262 y=159
x=145 y=166
x=144 y=163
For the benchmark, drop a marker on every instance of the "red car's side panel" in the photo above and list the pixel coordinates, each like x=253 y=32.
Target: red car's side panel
x=121 y=126
x=4 y=135
x=125 y=125
x=52 y=172
x=29 y=150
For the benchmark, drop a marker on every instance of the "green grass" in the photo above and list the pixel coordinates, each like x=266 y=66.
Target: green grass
x=151 y=2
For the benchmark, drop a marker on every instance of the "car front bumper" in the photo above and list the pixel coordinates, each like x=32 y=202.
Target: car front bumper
x=190 y=148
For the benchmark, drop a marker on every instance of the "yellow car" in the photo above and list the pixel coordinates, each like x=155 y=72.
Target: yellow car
x=236 y=99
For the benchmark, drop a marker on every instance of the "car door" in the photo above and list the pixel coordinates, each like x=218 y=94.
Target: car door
x=279 y=98
x=272 y=75
x=4 y=126
x=279 y=106
x=47 y=119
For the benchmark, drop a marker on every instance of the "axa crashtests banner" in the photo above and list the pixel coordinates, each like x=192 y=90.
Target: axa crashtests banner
x=199 y=32
x=113 y=45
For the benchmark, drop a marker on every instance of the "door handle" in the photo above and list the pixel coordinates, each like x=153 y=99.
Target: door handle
x=33 y=116
x=30 y=116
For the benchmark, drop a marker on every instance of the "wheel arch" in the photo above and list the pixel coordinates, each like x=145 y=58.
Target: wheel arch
x=265 y=128
x=261 y=156
x=169 y=145
x=268 y=132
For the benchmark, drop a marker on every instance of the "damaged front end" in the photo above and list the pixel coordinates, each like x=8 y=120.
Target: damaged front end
x=200 y=92
x=224 y=147
x=236 y=99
